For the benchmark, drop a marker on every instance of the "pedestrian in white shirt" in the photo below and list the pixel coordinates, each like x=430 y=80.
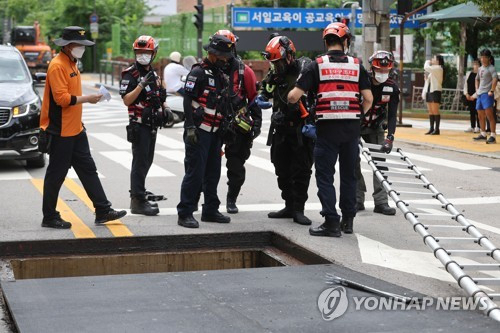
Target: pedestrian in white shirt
x=173 y=73
x=432 y=91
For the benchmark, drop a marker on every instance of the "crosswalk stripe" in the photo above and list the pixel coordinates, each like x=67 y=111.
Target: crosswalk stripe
x=261 y=163
x=79 y=229
x=174 y=155
x=15 y=173
x=117 y=228
x=445 y=162
x=113 y=140
x=103 y=121
x=124 y=158
x=72 y=174
x=169 y=142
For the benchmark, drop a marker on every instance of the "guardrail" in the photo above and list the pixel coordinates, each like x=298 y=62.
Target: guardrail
x=111 y=68
x=450 y=100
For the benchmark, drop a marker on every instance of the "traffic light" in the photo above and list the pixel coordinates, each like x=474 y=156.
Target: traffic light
x=404 y=7
x=198 y=17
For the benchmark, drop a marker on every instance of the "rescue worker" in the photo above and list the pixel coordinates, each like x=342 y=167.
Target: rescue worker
x=291 y=151
x=142 y=92
x=246 y=122
x=64 y=136
x=204 y=117
x=337 y=80
x=382 y=115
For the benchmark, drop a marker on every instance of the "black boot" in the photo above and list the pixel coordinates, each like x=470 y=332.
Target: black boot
x=56 y=223
x=384 y=209
x=232 y=195
x=188 y=222
x=300 y=218
x=346 y=224
x=110 y=215
x=285 y=213
x=331 y=228
x=216 y=217
x=143 y=207
x=438 y=120
x=360 y=206
x=431 y=121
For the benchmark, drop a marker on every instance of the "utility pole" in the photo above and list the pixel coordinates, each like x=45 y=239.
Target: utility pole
x=94 y=67
x=198 y=22
x=428 y=41
x=354 y=6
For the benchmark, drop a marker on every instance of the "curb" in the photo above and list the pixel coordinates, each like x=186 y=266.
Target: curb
x=456 y=150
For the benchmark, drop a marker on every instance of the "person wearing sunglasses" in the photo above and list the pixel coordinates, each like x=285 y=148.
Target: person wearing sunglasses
x=381 y=116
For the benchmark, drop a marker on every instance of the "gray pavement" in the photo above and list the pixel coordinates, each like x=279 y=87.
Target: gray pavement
x=383 y=247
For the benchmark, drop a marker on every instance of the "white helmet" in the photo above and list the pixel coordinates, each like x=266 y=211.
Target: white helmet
x=175 y=56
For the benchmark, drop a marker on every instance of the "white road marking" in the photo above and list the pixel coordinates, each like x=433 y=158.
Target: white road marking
x=168 y=142
x=444 y=162
x=72 y=174
x=174 y=155
x=261 y=163
x=14 y=173
x=112 y=140
x=124 y=158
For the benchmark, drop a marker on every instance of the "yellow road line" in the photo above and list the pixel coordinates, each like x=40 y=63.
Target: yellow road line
x=79 y=229
x=117 y=228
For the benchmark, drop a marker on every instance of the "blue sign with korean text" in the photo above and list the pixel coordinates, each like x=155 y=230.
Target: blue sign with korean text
x=252 y=17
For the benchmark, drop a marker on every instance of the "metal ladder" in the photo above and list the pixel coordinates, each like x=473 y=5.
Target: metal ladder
x=396 y=169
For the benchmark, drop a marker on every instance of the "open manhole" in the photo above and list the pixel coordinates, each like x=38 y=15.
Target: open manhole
x=154 y=254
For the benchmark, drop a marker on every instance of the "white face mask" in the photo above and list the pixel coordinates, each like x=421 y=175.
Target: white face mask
x=143 y=58
x=77 y=51
x=381 y=77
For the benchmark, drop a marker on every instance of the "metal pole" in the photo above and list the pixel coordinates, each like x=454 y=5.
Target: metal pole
x=200 y=36
x=428 y=41
x=401 y=49
x=94 y=68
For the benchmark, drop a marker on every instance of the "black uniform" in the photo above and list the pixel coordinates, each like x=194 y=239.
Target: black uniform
x=336 y=139
x=242 y=91
x=205 y=113
x=382 y=115
x=291 y=151
x=145 y=115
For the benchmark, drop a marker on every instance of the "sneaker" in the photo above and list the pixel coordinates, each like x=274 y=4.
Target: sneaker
x=110 y=215
x=469 y=130
x=480 y=137
x=477 y=130
x=491 y=139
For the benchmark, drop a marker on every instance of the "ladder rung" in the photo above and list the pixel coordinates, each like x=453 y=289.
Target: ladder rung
x=448 y=240
x=443 y=226
x=434 y=217
x=466 y=253
x=399 y=174
x=391 y=164
x=480 y=267
x=406 y=184
x=487 y=281
x=392 y=156
x=417 y=204
x=371 y=145
x=416 y=193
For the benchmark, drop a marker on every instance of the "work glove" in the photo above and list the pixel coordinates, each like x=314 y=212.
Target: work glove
x=387 y=145
x=191 y=136
x=148 y=79
x=255 y=132
x=263 y=102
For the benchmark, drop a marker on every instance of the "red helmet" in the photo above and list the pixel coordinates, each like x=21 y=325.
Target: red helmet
x=228 y=34
x=337 y=29
x=278 y=48
x=382 y=59
x=147 y=43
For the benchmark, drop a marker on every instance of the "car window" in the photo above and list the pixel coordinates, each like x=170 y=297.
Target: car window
x=12 y=68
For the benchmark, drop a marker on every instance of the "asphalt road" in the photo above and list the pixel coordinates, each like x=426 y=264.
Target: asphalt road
x=382 y=246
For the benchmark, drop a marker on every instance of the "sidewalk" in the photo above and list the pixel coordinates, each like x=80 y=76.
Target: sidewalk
x=452 y=135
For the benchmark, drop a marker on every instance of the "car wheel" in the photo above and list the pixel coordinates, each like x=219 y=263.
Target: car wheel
x=37 y=162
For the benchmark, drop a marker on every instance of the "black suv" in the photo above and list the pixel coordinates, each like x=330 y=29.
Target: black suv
x=20 y=107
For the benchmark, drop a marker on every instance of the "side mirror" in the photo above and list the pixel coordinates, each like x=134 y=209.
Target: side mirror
x=40 y=77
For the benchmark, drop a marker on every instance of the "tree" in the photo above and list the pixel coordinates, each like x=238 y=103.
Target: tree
x=490 y=7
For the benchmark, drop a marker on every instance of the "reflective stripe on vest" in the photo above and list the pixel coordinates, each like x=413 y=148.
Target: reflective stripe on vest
x=338 y=91
x=372 y=117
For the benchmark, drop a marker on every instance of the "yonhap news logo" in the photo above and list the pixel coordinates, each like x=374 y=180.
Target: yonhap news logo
x=333 y=303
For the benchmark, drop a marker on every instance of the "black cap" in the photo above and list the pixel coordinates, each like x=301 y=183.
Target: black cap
x=220 y=46
x=73 y=34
